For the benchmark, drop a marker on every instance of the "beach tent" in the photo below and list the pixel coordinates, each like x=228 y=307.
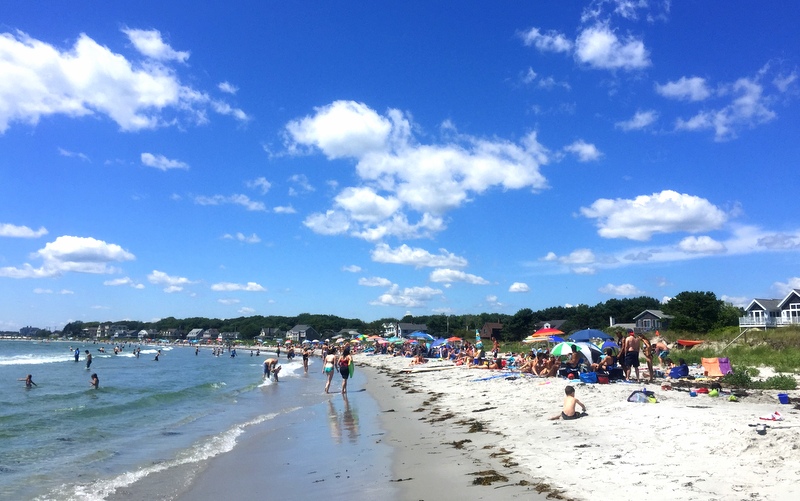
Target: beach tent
x=716 y=367
x=588 y=335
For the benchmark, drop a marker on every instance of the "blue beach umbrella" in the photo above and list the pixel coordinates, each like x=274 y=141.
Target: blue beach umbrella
x=588 y=335
x=610 y=344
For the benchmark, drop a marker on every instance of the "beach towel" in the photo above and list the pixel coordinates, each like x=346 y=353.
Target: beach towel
x=725 y=366
x=711 y=367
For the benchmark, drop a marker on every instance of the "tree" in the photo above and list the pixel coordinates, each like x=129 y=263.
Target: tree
x=694 y=311
x=519 y=326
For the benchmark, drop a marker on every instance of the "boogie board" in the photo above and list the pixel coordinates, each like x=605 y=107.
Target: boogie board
x=351 y=367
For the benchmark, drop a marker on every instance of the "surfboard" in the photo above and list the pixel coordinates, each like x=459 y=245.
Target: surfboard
x=351 y=367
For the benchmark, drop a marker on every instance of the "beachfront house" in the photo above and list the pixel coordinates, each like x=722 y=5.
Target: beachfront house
x=404 y=329
x=228 y=337
x=301 y=332
x=210 y=335
x=270 y=333
x=389 y=330
x=651 y=320
x=491 y=330
x=194 y=335
x=770 y=313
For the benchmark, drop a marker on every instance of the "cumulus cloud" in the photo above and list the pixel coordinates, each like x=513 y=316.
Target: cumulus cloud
x=352 y=268
x=284 y=209
x=519 y=287
x=550 y=41
x=620 y=290
x=585 y=152
x=749 y=107
x=228 y=88
x=374 y=282
x=230 y=287
x=409 y=297
x=784 y=288
x=236 y=199
x=124 y=281
x=600 y=48
x=447 y=275
x=415 y=256
x=640 y=120
x=71 y=254
x=701 y=245
x=398 y=175
x=14 y=231
x=89 y=79
x=162 y=163
x=241 y=237
x=228 y=301
x=170 y=283
x=779 y=241
x=646 y=215
x=685 y=89
x=261 y=184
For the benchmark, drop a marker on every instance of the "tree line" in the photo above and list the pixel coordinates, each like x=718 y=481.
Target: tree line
x=695 y=312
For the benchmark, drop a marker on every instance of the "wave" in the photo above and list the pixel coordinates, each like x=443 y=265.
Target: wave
x=206 y=449
x=35 y=359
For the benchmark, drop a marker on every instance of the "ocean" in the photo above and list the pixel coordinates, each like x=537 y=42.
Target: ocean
x=152 y=428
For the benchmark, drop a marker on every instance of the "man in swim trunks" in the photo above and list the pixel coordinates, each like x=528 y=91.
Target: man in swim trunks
x=662 y=351
x=570 y=402
x=306 y=353
x=88 y=359
x=630 y=347
x=269 y=366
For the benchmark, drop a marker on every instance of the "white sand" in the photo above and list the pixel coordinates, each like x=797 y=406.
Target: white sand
x=681 y=448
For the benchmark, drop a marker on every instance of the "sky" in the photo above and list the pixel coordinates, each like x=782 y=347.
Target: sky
x=373 y=160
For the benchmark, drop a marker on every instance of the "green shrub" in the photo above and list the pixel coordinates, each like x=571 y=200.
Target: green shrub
x=739 y=378
x=779 y=382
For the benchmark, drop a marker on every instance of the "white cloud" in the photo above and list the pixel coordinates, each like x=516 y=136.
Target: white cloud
x=352 y=268
x=749 y=108
x=415 y=256
x=685 y=89
x=640 y=120
x=399 y=175
x=123 y=281
x=551 y=41
x=241 y=237
x=260 y=184
x=71 y=254
x=783 y=82
x=409 y=297
x=585 y=152
x=701 y=245
x=228 y=301
x=161 y=162
x=493 y=302
x=620 y=290
x=301 y=185
x=739 y=301
x=600 y=48
x=228 y=88
x=246 y=310
x=374 y=282
x=170 y=283
x=784 y=288
x=447 y=275
x=42 y=291
x=284 y=209
x=529 y=76
x=236 y=199
x=150 y=44
x=519 y=287
x=664 y=212
x=230 y=287
x=72 y=154
x=14 y=231
x=88 y=79
x=779 y=241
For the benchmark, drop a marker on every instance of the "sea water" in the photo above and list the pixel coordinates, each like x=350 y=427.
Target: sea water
x=65 y=440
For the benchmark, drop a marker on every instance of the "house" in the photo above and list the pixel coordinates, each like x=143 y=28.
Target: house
x=227 y=337
x=348 y=333
x=389 y=330
x=491 y=330
x=210 y=335
x=171 y=334
x=770 y=313
x=301 y=332
x=550 y=324
x=651 y=320
x=194 y=334
x=404 y=329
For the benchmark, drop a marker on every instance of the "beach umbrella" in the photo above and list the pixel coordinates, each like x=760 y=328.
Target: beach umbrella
x=454 y=339
x=547 y=332
x=381 y=341
x=438 y=342
x=547 y=339
x=288 y=341
x=610 y=344
x=565 y=348
x=421 y=335
x=589 y=334
x=590 y=351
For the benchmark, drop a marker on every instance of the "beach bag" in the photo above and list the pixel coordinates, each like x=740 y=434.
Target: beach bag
x=642 y=396
x=589 y=377
x=602 y=379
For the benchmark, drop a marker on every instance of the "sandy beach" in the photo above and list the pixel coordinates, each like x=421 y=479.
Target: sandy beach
x=496 y=430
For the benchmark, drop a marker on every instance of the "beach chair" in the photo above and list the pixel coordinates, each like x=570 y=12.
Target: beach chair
x=725 y=366
x=711 y=367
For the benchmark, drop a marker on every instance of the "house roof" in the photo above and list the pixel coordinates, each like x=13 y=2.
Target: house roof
x=655 y=313
x=794 y=293
x=301 y=328
x=413 y=327
x=764 y=304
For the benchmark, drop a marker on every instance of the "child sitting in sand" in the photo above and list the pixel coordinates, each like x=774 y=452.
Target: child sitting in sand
x=570 y=402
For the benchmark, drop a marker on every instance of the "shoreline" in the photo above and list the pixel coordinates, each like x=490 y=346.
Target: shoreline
x=681 y=448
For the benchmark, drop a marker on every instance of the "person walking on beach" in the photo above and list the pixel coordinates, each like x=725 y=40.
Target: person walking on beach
x=327 y=367
x=630 y=348
x=88 y=359
x=344 y=367
x=570 y=402
x=94 y=382
x=28 y=381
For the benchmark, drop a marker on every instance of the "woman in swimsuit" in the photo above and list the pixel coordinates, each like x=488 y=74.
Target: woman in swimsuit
x=305 y=358
x=327 y=367
x=344 y=367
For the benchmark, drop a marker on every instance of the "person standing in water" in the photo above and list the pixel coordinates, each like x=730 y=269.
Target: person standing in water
x=77 y=354
x=306 y=354
x=28 y=381
x=88 y=359
x=94 y=381
x=327 y=367
x=344 y=367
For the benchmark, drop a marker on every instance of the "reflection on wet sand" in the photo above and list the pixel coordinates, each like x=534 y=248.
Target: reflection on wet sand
x=345 y=419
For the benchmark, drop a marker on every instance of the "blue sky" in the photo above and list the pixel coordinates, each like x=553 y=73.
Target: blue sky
x=272 y=158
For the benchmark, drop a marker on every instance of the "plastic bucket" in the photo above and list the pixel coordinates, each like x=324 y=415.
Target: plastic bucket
x=783 y=397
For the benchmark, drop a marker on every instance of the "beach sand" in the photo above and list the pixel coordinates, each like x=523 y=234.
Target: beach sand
x=681 y=448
